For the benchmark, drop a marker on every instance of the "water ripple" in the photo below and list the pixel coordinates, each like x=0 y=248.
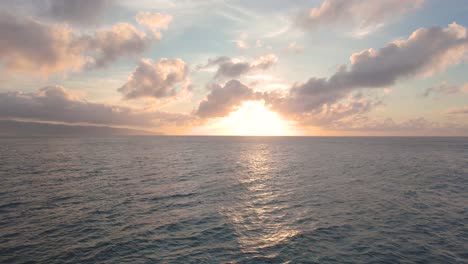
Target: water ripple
x=233 y=200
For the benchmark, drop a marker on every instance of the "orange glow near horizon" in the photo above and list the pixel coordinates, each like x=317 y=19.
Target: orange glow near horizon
x=252 y=118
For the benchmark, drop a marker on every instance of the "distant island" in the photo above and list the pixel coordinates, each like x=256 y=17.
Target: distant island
x=20 y=128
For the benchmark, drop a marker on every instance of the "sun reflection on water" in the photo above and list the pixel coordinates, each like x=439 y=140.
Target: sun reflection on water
x=259 y=217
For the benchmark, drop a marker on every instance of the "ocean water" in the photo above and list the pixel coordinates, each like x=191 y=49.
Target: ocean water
x=233 y=200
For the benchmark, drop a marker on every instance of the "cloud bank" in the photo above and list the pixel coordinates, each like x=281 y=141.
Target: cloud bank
x=388 y=126
x=56 y=104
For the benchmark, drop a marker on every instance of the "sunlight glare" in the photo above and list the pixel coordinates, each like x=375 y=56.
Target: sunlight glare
x=252 y=118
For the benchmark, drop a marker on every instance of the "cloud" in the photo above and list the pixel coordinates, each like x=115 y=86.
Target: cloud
x=157 y=80
x=230 y=68
x=337 y=101
x=77 y=12
x=389 y=124
x=343 y=111
x=425 y=52
x=155 y=22
x=56 y=104
x=414 y=126
x=459 y=111
x=446 y=89
x=121 y=40
x=223 y=99
x=364 y=16
x=264 y=62
x=28 y=45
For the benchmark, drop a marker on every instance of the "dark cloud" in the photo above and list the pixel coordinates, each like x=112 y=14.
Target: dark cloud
x=223 y=99
x=230 y=68
x=54 y=103
x=157 y=80
x=365 y=16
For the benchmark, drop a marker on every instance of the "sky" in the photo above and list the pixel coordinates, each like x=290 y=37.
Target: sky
x=220 y=67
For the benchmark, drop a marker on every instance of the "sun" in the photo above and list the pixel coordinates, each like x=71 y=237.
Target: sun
x=252 y=118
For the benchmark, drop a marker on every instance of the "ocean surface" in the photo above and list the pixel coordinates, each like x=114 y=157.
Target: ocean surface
x=233 y=200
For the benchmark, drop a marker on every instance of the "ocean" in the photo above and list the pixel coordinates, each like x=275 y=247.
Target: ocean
x=164 y=199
